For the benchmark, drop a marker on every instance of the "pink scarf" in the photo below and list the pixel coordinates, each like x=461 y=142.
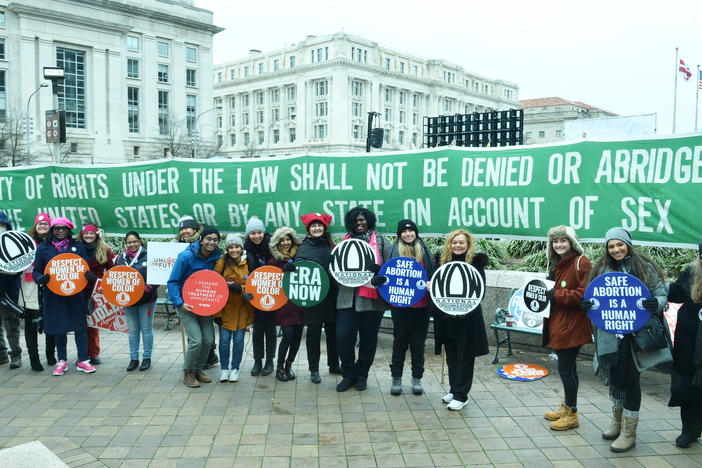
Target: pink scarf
x=368 y=291
x=61 y=246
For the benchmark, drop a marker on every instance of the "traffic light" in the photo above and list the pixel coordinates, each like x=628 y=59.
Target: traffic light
x=377 y=136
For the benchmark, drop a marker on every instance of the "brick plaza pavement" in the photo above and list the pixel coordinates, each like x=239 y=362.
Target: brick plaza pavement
x=138 y=419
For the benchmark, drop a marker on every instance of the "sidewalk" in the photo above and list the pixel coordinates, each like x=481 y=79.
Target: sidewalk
x=114 y=418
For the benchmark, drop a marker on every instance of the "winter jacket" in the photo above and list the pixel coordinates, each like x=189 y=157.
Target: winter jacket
x=191 y=239
x=140 y=265
x=29 y=290
x=61 y=313
x=427 y=263
x=258 y=255
x=238 y=313
x=9 y=282
x=687 y=353
x=348 y=298
x=289 y=314
x=317 y=249
x=568 y=326
x=188 y=262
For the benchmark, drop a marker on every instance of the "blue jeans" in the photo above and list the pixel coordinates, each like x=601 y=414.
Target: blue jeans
x=140 y=318
x=81 y=338
x=225 y=336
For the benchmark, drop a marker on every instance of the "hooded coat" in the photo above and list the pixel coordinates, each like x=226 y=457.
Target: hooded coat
x=188 y=262
x=238 y=313
x=289 y=314
x=318 y=250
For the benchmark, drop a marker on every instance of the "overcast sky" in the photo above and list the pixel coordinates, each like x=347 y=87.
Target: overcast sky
x=615 y=54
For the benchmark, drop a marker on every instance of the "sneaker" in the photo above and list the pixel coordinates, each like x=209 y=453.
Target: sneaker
x=224 y=375
x=457 y=405
x=447 y=398
x=85 y=366
x=61 y=367
x=396 y=387
x=417 y=388
x=234 y=375
x=211 y=361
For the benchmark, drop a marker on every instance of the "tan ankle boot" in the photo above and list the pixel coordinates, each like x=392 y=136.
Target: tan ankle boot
x=201 y=376
x=189 y=379
x=555 y=415
x=615 y=427
x=569 y=420
x=627 y=437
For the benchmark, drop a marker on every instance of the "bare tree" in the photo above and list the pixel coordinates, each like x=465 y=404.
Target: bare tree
x=176 y=138
x=13 y=148
x=251 y=150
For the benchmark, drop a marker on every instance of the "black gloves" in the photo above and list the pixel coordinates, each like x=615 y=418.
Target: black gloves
x=218 y=321
x=585 y=305
x=90 y=276
x=248 y=296
x=697 y=377
x=651 y=305
x=290 y=266
x=38 y=322
x=480 y=260
x=550 y=294
x=373 y=268
x=235 y=288
x=43 y=279
x=378 y=280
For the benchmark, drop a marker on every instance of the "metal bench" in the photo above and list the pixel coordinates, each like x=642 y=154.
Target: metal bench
x=500 y=325
x=170 y=311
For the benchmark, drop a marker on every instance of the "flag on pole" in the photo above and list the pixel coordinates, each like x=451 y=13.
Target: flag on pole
x=685 y=70
x=699 y=79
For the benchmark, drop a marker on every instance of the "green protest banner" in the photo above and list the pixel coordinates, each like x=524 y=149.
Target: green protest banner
x=650 y=187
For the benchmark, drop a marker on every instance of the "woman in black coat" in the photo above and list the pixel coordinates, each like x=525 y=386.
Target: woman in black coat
x=686 y=379
x=463 y=336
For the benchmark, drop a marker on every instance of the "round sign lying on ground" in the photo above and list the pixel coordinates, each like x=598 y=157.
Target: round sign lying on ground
x=67 y=272
x=17 y=250
x=617 y=302
x=206 y=291
x=457 y=288
x=522 y=372
x=266 y=285
x=350 y=261
x=308 y=285
x=407 y=281
x=122 y=286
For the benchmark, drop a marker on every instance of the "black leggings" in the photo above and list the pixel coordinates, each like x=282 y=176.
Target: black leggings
x=289 y=344
x=314 y=337
x=263 y=329
x=568 y=371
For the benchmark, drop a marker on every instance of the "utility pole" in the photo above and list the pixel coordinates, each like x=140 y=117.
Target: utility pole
x=56 y=132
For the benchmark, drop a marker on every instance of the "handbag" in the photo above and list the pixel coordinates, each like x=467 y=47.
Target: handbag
x=650 y=337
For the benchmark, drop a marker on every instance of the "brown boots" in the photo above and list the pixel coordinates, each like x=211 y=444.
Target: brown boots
x=192 y=378
x=201 y=376
x=569 y=420
x=555 y=415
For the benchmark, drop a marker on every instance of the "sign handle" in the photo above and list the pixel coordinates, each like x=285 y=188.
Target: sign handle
x=182 y=337
x=443 y=362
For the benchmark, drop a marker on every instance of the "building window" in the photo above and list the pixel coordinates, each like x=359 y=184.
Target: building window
x=259 y=116
x=402 y=116
x=190 y=113
x=319 y=54
x=133 y=43
x=292 y=61
x=3 y=95
x=356 y=132
x=132 y=68
x=260 y=137
x=414 y=140
x=387 y=64
x=133 y=109
x=232 y=120
x=245 y=118
x=356 y=109
x=163 y=49
x=135 y=150
x=232 y=74
x=246 y=70
x=486 y=89
x=388 y=114
x=291 y=93
x=275 y=114
x=402 y=67
x=292 y=135
x=259 y=98
x=291 y=111
x=275 y=96
x=219 y=121
x=276 y=135
x=219 y=77
x=276 y=65
x=260 y=69
x=321 y=88
x=71 y=91
x=401 y=137
x=245 y=100
x=247 y=139
x=232 y=102
x=232 y=139
x=542 y=134
x=74 y=147
x=321 y=109
x=559 y=133
x=2 y=19
x=2 y=48
x=190 y=74
x=162 y=73
x=415 y=70
x=415 y=100
x=191 y=54
x=415 y=118
x=163 y=113
x=357 y=88
x=403 y=97
x=388 y=94
x=320 y=131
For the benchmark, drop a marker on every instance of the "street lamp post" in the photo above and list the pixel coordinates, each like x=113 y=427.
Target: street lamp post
x=268 y=135
x=195 y=126
x=43 y=85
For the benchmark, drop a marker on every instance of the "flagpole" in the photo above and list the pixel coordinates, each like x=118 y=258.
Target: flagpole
x=697 y=95
x=675 y=87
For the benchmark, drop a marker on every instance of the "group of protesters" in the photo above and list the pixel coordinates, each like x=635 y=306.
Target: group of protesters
x=351 y=316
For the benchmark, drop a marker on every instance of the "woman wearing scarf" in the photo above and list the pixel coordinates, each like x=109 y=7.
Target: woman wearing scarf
x=359 y=310
x=63 y=314
x=615 y=361
x=101 y=260
x=30 y=300
x=140 y=316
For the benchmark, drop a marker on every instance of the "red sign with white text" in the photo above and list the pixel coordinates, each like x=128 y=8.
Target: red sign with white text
x=206 y=291
x=105 y=315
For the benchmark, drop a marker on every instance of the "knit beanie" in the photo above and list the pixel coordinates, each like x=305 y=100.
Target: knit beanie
x=563 y=231
x=406 y=224
x=234 y=239
x=207 y=230
x=310 y=218
x=187 y=221
x=42 y=217
x=254 y=224
x=62 y=220
x=618 y=233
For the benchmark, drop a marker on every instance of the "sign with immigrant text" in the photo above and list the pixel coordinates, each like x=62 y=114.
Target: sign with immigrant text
x=67 y=274
x=206 y=291
x=17 y=250
x=161 y=257
x=308 y=285
x=407 y=282
x=617 y=302
x=266 y=285
x=641 y=185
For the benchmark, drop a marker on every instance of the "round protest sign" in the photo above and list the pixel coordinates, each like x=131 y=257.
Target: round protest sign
x=206 y=291
x=534 y=296
x=617 y=302
x=407 y=281
x=522 y=372
x=457 y=288
x=122 y=286
x=350 y=261
x=308 y=285
x=17 y=251
x=266 y=285
x=67 y=272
